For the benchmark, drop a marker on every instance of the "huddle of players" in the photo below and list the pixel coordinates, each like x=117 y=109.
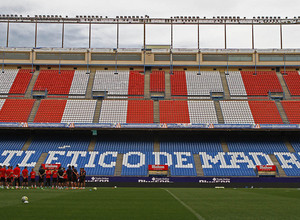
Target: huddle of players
x=10 y=176
x=60 y=178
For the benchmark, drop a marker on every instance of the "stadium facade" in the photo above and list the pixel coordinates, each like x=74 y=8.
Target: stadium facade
x=212 y=115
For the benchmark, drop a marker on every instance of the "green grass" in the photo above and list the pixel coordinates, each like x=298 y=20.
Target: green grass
x=151 y=203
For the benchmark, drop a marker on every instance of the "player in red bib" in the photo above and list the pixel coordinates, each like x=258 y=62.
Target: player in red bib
x=48 y=177
x=25 y=177
x=2 y=176
x=17 y=173
x=65 y=177
x=9 y=176
x=54 y=177
x=32 y=178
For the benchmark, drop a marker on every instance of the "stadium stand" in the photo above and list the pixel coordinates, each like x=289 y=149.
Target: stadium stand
x=124 y=144
x=59 y=142
x=122 y=83
x=249 y=83
x=138 y=152
x=66 y=111
x=157 y=81
x=267 y=145
x=196 y=112
x=73 y=82
x=126 y=111
x=14 y=81
x=191 y=83
x=250 y=112
x=292 y=110
x=290 y=162
x=232 y=163
x=15 y=110
x=12 y=141
x=22 y=158
x=190 y=144
x=292 y=80
x=178 y=83
x=173 y=112
x=235 y=83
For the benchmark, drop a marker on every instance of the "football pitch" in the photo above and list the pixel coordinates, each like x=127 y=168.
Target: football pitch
x=151 y=203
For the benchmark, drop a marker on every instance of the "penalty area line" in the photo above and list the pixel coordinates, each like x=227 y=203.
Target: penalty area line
x=185 y=205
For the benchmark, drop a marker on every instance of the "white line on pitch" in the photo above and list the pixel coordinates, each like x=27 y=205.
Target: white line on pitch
x=185 y=205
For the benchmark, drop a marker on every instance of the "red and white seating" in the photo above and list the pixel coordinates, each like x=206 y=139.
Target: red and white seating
x=126 y=111
x=14 y=81
x=258 y=84
x=250 y=112
x=157 y=81
x=292 y=111
x=66 y=111
x=191 y=83
x=195 y=112
x=124 y=83
x=15 y=110
x=292 y=80
x=73 y=82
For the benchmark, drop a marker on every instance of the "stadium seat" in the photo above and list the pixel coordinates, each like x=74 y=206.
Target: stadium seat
x=292 y=110
x=157 y=81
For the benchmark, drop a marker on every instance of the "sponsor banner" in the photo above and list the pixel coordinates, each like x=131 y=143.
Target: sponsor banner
x=140 y=126
x=93 y=125
x=50 y=166
x=199 y=180
x=47 y=125
x=266 y=168
x=280 y=126
x=233 y=126
x=9 y=125
x=98 y=179
x=158 y=167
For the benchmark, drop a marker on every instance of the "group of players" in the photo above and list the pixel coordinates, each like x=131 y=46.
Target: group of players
x=60 y=177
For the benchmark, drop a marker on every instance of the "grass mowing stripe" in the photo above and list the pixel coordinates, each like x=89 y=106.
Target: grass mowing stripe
x=186 y=206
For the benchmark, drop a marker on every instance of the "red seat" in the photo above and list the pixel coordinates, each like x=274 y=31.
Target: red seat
x=136 y=83
x=261 y=83
x=157 y=81
x=178 y=83
x=140 y=111
x=21 y=82
x=16 y=110
x=292 y=111
x=50 y=111
x=174 y=112
x=54 y=82
x=265 y=112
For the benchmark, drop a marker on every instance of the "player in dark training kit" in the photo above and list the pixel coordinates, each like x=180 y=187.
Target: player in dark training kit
x=41 y=176
x=82 y=175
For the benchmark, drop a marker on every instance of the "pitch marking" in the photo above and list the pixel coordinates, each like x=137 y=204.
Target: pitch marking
x=186 y=206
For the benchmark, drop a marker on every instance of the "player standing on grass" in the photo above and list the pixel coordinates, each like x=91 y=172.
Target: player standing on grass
x=82 y=178
x=32 y=178
x=70 y=175
x=2 y=176
x=48 y=177
x=74 y=176
x=17 y=174
x=54 y=178
x=10 y=176
x=25 y=177
x=60 y=178
x=41 y=176
x=65 y=177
